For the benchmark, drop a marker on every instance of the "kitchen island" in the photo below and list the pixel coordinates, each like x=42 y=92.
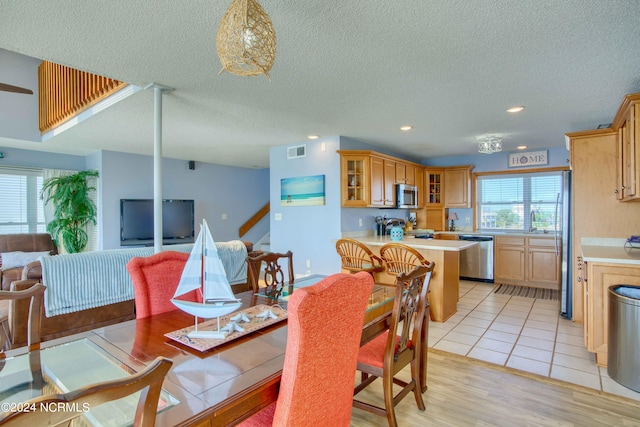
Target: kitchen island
x=445 y=280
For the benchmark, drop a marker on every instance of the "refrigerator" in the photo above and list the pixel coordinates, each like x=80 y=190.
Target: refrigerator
x=563 y=229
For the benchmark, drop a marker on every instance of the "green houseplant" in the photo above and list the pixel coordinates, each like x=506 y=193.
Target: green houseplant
x=73 y=209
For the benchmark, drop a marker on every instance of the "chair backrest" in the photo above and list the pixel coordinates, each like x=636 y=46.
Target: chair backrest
x=149 y=380
x=155 y=279
x=36 y=294
x=274 y=276
x=399 y=258
x=408 y=316
x=324 y=330
x=355 y=256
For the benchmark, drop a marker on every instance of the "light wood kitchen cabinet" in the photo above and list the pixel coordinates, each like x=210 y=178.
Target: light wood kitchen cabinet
x=434 y=187
x=628 y=163
x=457 y=188
x=509 y=260
x=595 y=210
x=368 y=178
x=527 y=261
x=405 y=173
x=544 y=262
x=600 y=276
x=383 y=182
x=435 y=219
x=355 y=175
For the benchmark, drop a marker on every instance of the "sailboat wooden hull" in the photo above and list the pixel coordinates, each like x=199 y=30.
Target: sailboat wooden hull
x=207 y=310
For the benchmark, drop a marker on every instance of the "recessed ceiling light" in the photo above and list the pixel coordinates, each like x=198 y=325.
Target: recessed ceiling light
x=515 y=109
x=406 y=128
x=313 y=136
x=521 y=147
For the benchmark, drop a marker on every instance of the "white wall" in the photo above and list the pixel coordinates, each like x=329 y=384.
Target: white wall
x=19 y=112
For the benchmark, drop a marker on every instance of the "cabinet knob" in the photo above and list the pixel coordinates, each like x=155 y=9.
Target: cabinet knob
x=579 y=279
x=622 y=187
x=616 y=191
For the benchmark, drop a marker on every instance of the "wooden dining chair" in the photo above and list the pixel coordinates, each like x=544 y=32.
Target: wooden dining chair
x=399 y=258
x=399 y=346
x=155 y=280
x=356 y=257
x=148 y=380
x=36 y=294
x=324 y=331
x=274 y=276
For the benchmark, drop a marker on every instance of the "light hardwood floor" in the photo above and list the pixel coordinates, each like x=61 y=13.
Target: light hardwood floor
x=508 y=361
x=467 y=392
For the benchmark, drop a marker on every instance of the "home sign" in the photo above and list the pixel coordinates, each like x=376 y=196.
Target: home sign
x=531 y=158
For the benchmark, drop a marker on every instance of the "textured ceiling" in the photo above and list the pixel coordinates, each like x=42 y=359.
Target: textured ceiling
x=355 y=68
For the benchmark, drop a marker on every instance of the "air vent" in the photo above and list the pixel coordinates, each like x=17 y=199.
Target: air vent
x=296 y=151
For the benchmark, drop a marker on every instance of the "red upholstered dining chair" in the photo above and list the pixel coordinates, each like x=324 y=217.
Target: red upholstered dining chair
x=355 y=257
x=399 y=346
x=324 y=330
x=155 y=279
x=274 y=276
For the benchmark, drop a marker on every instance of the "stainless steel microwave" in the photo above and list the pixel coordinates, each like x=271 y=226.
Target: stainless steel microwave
x=406 y=196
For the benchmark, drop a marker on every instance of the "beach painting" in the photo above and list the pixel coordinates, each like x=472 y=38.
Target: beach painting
x=302 y=191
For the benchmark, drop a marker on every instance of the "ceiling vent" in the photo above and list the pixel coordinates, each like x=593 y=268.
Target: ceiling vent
x=296 y=151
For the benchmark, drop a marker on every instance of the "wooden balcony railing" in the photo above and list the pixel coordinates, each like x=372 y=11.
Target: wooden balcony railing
x=253 y=220
x=64 y=92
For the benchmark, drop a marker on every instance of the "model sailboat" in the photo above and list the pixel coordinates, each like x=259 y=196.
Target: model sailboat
x=204 y=271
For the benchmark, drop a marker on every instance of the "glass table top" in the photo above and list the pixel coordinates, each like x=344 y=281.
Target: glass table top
x=379 y=295
x=67 y=367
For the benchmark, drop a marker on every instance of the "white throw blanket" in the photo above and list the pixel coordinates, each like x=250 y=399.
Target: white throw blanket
x=92 y=279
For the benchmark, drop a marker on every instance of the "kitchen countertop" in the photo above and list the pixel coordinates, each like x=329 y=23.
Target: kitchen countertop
x=609 y=250
x=430 y=244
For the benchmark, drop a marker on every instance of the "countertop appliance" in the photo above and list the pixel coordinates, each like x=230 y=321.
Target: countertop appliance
x=389 y=223
x=406 y=196
x=476 y=262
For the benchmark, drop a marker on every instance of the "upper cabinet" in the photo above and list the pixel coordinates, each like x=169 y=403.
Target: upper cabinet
x=368 y=179
x=355 y=178
x=405 y=173
x=457 y=187
x=628 y=164
x=434 y=186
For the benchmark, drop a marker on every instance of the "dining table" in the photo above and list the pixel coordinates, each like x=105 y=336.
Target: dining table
x=219 y=386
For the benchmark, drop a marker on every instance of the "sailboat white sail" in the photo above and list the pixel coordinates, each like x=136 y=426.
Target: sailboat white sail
x=217 y=296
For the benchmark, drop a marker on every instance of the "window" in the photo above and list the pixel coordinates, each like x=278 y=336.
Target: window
x=519 y=201
x=21 y=210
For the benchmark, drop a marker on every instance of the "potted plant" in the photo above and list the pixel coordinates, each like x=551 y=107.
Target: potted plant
x=73 y=209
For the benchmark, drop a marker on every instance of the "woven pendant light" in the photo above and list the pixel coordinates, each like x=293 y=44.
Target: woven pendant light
x=246 y=40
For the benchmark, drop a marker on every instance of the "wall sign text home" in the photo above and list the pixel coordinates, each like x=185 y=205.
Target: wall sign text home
x=531 y=158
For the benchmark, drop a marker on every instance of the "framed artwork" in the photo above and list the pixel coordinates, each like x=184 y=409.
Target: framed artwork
x=302 y=191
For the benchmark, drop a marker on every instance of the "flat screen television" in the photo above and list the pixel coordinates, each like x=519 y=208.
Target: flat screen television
x=136 y=222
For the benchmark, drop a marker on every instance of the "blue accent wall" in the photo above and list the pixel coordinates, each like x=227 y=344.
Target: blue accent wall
x=309 y=232
x=217 y=189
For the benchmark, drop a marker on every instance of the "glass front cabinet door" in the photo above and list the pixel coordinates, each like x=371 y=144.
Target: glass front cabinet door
x=354 y=180
x=434 y=186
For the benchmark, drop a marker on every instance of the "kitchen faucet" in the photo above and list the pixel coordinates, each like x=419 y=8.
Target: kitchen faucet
x=532 y=217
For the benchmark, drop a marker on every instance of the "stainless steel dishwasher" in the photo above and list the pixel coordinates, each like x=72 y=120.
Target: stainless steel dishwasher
x=476 y=262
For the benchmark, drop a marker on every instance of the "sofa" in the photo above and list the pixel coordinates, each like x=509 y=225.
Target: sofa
x=67 y=323
x=31 y=245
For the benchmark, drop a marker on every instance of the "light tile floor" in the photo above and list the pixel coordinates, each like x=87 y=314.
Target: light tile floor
x=522 y=333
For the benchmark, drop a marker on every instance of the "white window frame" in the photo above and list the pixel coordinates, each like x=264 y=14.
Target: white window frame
x=545 y=209
x=34 y=221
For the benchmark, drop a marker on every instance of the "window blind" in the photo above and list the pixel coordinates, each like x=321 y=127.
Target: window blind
x=21 y=208
x=506 y=201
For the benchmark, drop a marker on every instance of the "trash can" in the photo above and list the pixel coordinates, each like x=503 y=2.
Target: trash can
x=624 y=335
